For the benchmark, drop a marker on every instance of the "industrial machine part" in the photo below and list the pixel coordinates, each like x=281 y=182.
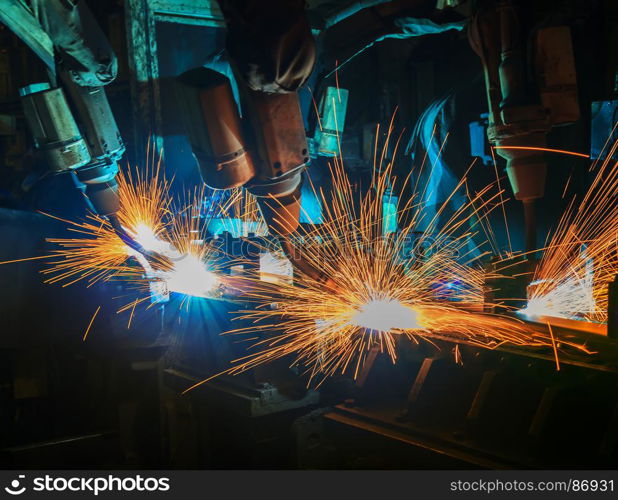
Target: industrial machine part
x=18 y=16
x=67 y=32
x=53 y=127
x=214 y=128
x=104 y=142
x=270 y=42
x=333 y=108
x=273 y=51
x=278 y=145
x=63 y=32
x=240 y=418
x=503 y=408
x=93 y=156
x=531 y=86
x=281 y=146
x=479 y=147
x=265 y=152
x=604 y=116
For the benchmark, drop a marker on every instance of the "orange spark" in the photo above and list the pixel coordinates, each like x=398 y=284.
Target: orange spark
x=408 y=285
x=91 y=322
x=553 y=343
x=546 y=150
x=581 y=257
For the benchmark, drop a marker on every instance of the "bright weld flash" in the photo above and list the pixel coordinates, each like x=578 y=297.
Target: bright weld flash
x=146 y=237
x=570 y=299
x=190 y=276
x=385 y=315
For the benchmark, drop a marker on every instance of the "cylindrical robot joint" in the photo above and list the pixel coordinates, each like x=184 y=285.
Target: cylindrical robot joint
x=53 y=127
x=214 y=128
x=95 y=117
x=280 y=141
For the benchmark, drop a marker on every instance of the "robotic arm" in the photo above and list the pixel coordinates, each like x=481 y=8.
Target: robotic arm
x=90 y=150
x=266 y=150
x=531 y=87
x=83 y=138
x=87 y=144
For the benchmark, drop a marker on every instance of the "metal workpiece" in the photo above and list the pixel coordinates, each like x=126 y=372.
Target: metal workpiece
x=214 y=128
x=508 y=408
x=241 y=395
x=508 y=281
x=612 y=308
x=55 y=132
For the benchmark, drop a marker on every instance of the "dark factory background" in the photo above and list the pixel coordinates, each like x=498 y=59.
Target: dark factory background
x=114 y=401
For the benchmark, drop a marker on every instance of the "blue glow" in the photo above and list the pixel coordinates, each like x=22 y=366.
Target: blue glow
x=236 y=227
x=389 y=210
x=333 y=107
x=449 y=290
x=311 y=207
x=478 y=141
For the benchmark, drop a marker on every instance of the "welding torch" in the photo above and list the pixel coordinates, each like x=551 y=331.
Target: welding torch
x=72 y=123
x=264 y=152
x=82 y=139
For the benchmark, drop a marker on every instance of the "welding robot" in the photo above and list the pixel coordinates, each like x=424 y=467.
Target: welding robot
x=273 y=53
x=69 y=116
x=529 y=78
x=264 y=150
x=531 y=86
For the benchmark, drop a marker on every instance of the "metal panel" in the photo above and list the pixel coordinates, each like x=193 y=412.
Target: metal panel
x=143 y=69
x=22 y=22
x=141 y=19
x=199 y=12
